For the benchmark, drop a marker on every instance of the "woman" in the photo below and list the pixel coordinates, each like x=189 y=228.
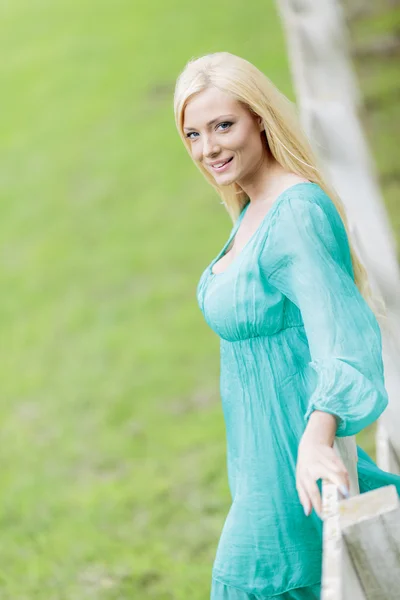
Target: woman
x=301 y=357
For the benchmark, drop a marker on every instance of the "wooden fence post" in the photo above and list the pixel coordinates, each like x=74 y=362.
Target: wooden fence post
x=328 y=100
x=354 y=567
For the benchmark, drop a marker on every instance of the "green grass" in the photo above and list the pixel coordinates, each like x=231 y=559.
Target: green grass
x=112 y=441
x=379 y=82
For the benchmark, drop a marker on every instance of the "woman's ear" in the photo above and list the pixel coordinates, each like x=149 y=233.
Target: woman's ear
x=260 y=123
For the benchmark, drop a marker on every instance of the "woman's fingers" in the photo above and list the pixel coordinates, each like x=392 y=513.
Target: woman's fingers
x=316 y=462
x=340 y=479
x=322 y=469
x=312 y=491
x=308 y=490
x=304 y=499
x=333 y=462
x=336 y=466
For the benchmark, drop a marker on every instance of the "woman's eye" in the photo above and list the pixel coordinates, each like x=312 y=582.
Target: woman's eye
x=228 y=123
x=225 y=123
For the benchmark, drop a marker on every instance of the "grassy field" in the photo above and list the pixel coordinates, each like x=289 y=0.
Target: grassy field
x=376 y=53
x=112 y=467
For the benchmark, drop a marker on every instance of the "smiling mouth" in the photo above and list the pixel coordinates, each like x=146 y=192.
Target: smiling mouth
x=223 y=166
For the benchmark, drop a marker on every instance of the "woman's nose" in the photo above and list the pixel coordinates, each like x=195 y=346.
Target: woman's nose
x=210 y=147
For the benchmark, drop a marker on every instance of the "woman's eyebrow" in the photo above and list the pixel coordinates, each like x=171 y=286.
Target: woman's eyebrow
x=212 y=122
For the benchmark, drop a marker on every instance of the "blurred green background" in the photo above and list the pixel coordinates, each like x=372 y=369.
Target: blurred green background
x=113 y=474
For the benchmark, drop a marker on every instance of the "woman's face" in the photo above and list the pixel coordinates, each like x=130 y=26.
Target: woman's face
x=220 y=129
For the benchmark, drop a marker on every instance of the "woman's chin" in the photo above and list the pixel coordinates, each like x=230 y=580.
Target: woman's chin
x=227 y=180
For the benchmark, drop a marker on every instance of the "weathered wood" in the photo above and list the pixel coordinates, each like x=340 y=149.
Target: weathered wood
x=365 y=506
x=346 y=448
x=373 y=543
x=374 y=548
x=347 y=551
x=328 y=100
x=336 y=566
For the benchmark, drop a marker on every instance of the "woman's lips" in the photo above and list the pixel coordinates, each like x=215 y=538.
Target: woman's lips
x=224 y=167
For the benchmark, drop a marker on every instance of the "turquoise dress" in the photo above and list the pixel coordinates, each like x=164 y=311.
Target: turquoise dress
x=295 y=335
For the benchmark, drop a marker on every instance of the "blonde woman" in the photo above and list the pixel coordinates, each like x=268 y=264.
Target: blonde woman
x=300 y=345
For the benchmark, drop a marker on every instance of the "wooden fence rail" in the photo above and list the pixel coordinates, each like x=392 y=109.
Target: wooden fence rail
x=361 y=545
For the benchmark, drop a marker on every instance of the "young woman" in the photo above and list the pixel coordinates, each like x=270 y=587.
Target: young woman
x=301 y=356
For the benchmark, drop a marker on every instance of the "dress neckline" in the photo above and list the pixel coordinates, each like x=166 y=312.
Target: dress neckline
x=253 y=236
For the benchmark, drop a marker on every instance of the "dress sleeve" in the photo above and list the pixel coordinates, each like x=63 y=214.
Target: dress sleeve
x=304 y=259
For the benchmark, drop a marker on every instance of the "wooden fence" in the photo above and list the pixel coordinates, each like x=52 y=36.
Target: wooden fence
x=361 y=558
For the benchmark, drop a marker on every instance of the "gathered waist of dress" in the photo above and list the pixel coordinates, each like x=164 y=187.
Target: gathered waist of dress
x=252 y=367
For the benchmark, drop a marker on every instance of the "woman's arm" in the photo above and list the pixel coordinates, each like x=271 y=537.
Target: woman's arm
x=316 y=459
x=306 y=256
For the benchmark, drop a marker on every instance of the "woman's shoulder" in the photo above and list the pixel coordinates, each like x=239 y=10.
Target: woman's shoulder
x=306 y=201
x=303 y=193
x=306 y=214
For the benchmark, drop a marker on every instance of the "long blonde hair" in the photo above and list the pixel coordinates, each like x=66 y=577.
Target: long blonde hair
x=284 y=136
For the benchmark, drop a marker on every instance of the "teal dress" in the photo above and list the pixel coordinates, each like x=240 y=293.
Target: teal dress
x=295 y=335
